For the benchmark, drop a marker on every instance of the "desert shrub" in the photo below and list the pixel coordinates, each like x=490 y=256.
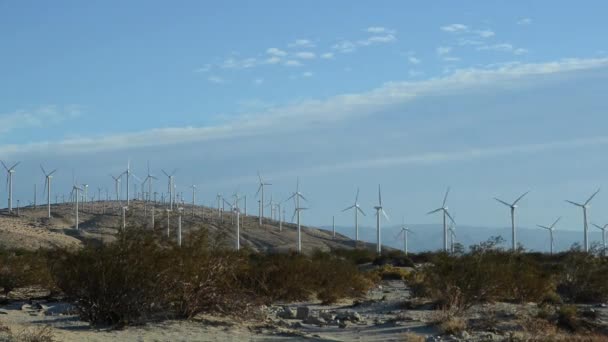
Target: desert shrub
x=36 y=334
x=357 y=255
x=551 y=297
x=388 y=272
x=583 y=278
x=485 y=274
x=297 y=277
x=413 y=337
x=394 y=258
x=567 y=317
x=448 y=321
x=20 y=268
x=114 y=284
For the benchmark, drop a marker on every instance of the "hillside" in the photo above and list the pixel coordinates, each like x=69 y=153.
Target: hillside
x=100 y=221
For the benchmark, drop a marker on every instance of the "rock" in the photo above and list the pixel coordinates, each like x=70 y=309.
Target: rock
x=464 y=335
x=296 y=325
x=602 y=305
x=303 y=312
x=328 y=316
x=352 y=316
x=342 y=324
x=286 y=313
x=315 y=320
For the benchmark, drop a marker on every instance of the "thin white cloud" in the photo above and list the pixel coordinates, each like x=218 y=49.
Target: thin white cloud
x=450 y=59
x=503 y=47
x=455 y=28
x=377 y=40
x=443 y=50
x=337 y=108
x=276 y=52
x=305 y=55
x=327 y=55
x=232 y=63
x=301 y=43
x=203 y=69
x=307 y=74
x=524 y=21
x=216 y=79
x=273 y=60
x=485 y=33
x=379 y=30
x=258 y=81
x=38 y=117
x=413 y=60
x=293 y=63
x=344 y=46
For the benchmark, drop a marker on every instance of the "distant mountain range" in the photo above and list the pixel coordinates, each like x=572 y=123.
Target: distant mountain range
x=428 y=237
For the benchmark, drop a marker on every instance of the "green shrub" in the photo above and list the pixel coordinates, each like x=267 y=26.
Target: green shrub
x=583 y=278
x=567 y=317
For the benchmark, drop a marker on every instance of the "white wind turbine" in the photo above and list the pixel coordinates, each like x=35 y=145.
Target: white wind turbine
x=9 y=183
x=603 y=229
x=76 y=194
x=513 y=206
x=446 y=215
x=296 y=212
x=117 y=186
x=193 y=197
x=262 y=184
x=585 y=206
x=47 y=188
x=404 y=231
x=379 y=210
x=551 y=229
x=452 y=232
x=171 y=186
x=357 y=210
x=128 y=173
x=149 y=178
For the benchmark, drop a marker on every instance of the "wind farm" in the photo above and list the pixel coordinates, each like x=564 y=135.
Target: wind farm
x=186 y=171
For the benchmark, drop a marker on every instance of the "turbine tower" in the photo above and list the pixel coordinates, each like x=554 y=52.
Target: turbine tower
x=171 y=186
x=585 y=206
x=513 y=206
x=76 y=194
x=404 y=231
x=296 y=212
x=128 y=173
x=379 y=210
x=550 y=229
x=261 y=189
x=446 y=214
x=9 y=183
x=603 y=229
x=357 y=210
x=117 y=186
x=47 y=188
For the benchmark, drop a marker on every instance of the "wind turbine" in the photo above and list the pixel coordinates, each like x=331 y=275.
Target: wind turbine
x=179 y=226
x=76 y=195
x=585 y=206
x=603 y=229
x=171 y=186
x=296 y=212
x=271 y=205
x=261 y=188
x=404 y=231
x=128 y=173
x=149 y=179
x=47 y=188
x=551 y=229
x=357 y=210
x=513 y=206
x=193 y=197
x=9 y=183
x=379 y=210
x=446 y=215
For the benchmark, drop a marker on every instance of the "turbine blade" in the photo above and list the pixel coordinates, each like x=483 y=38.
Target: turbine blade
x=14 y=166
x=445 y=198
x=598 y=227
x=357 y=196
x=554 y=223
x=42 y=168
x=4 y=165
x=352 y=206
x=520 y=197
x=503 y=202
x=590 y=198
x=259 y=188
x=543 y=227
x=434 y=211
x=379 y=195
x=50 y=174
x=361 y=211
x=450 y=216
x=574 y=203
x=385 y=214
x=166 y=174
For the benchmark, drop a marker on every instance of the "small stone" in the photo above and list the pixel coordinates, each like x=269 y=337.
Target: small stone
x=286 y=313
x=303 y=312
x=296 y=325
x=342 y=324
x=315 y=320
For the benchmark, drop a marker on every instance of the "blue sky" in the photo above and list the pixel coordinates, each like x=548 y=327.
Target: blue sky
x=492 y=98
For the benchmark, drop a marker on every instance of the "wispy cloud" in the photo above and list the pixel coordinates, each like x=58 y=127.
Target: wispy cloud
x=344 y=46
x=443 y=50
x=455 y=28
x=503 y=47
x=377 y=40
x=524 y=21
x=307 y=74
x=38 y=117
x=337 y=108
x=276 y=52
x=301 y=43
x=327 y=55
x=216 y=80
x=305 y=55
x=413 y=60
x=293 y=63
x=379 y=30
x=232 y=63
x=462 y=29
x=258 y=81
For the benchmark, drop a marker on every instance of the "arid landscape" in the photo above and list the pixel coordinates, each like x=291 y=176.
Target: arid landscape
x=395 y=299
